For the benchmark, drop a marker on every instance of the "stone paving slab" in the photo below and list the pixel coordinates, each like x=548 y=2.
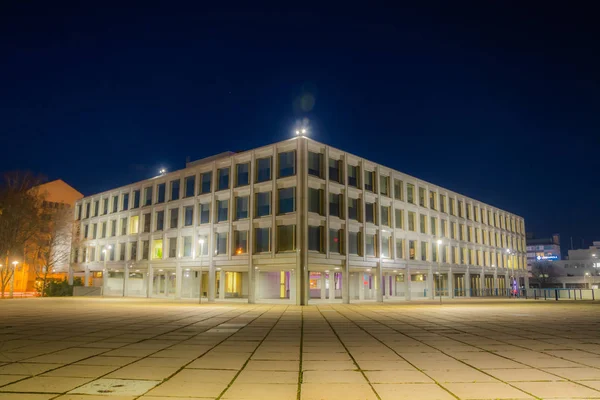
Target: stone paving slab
x=145 y=349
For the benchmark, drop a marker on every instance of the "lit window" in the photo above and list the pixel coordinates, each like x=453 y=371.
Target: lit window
x=134 y=225
x=240 y=244
x=187 y=246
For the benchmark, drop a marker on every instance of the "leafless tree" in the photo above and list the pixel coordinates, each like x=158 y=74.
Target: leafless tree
x=52 y=244
x=20 y=221
x=544 y=272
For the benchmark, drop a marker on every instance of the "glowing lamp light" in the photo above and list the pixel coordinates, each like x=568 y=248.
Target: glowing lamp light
x=238 y=251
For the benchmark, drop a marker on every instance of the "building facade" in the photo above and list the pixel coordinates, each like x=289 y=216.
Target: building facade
x=581 y=269
x=297 y=221
x=543 y=249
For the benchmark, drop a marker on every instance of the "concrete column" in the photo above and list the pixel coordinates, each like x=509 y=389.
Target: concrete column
x=178 y=281
x=346 y=283
x=495 y=283
x=222 y=284
x=86 y=276
x=467 y=283
x=379 y=283
x=361 y=286
x=450 y=283
x=407 y=288
x=386 y=286
x=70 y=276
x=430 y=284
x=331 y=286
x=323 y=288
x=393 y=286
x=211 y=282
x=507 y=284
x=482 y=282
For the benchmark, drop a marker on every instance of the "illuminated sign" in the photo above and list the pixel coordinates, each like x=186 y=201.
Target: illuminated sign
x=547 y=258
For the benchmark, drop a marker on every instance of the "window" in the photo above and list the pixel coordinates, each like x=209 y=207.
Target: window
x=433 y=231
x=104 y=229
x=370 y=181
x=87 y=210
x=287 y=200
x=133 y=251
x=148 y=196
x=205 y=182
x=385 y=215
x=125 y=201
x=241 y=207
x=240 y=242
x=263 y=204
x=461 y=232
x=78 y=213
x=262 y=240
x=160 y=188
x=353 y=174
x=223 y=178
x=423 y=223
x=476 y=214
x=204 y=213
x=202 y=247
x=370 y=246
x=384 y=185
x=460 y=209
x=187 y=246
x=145 y=249
x=263 y=169
x=335 y=173
x=385 y=246
x=469 y=211
x=353 y=211
x=188 y=216
x=335 y=205
x=335 y=240
x=315 y=161
x=111 y=252
x=242 y=174
x=452 y=206
x=136 y=199
x=410 y=193
x=173 y=247
x=190 y=186
x=315 y=238
x=286 y=238
x=174 y=189
x=399 y=217
x=113 y=228
x=222 y=210
x=443 y=228
x=160 y=220
x=174 y=218
x=432 y=200
x=122 y=250
x=398 y=189
x=434 y=253
x=354 y=246
x=370 y=212
x=412 y=249
x=157 y=249
x=104 y=206
x=399 y=248
x=287 y=164
x=115 y=205
x=94 y=231
x=147 y=220
x=134 y=225
x=315 y=200
x=221 y=243
x=443 y=203
x=412 y=223
x=424 y=251
x=422 y=195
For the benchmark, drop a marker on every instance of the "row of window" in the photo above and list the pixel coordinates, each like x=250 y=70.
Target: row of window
x=286 y=241
x=286 y=203
x=287 y=167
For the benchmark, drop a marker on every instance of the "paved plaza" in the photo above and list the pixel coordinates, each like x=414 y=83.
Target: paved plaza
x=125 y=349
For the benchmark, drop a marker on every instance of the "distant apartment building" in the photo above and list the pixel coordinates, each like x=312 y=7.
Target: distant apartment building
x=543 y=249
x=297 y=221
x=581 y=269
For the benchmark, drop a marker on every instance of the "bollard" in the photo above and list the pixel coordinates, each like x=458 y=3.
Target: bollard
x=556 y=294
x=545 y=298
x=535 y=294
x=580 y=295
x=569 y=292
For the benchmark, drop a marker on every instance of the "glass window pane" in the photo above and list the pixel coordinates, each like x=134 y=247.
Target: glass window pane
x=243 y=174
x=369 y=178
x=190 y=186
x=241 y=207
x=335 y=240
x=160 y=220
x=287 y=200
x=335 y=205
x=188 y=215
x=353 y=174
x=263 y=204
x=240 y=245
x=262 y=240
x=287 y=164
x=222 y=210
x=315 y=200
x=385 y=246
x=334 y=171
x=223 y=178
x=354 y=246
x=205 y=182
x=353 y=212
x=370 y=245
x=314 y=164
x=286 y=238
x=263 y=169
x=221 y=243
x=315 y=238
x=204 y=213
x=160 y=197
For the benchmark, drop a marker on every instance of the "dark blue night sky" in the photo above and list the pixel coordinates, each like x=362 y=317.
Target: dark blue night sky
x=498 y=102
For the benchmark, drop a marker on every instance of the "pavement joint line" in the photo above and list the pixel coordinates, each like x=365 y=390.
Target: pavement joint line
x=513 y=360
x=413 y=365
x=254 y=351
x=211 y=315
x=347 y=351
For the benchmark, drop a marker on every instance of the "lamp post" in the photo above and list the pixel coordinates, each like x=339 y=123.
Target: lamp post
x=104 y=271
x=201 y=241
x=439 y=259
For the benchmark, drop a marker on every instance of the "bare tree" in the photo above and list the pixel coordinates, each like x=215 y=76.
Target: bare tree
x=544 y=272
x=20 y=218
x=52 y=244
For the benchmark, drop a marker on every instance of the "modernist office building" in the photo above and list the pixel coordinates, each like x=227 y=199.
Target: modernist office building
x=297 y=221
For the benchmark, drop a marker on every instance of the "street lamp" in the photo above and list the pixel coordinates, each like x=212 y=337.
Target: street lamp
x=201 y=241
x=439 y=259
